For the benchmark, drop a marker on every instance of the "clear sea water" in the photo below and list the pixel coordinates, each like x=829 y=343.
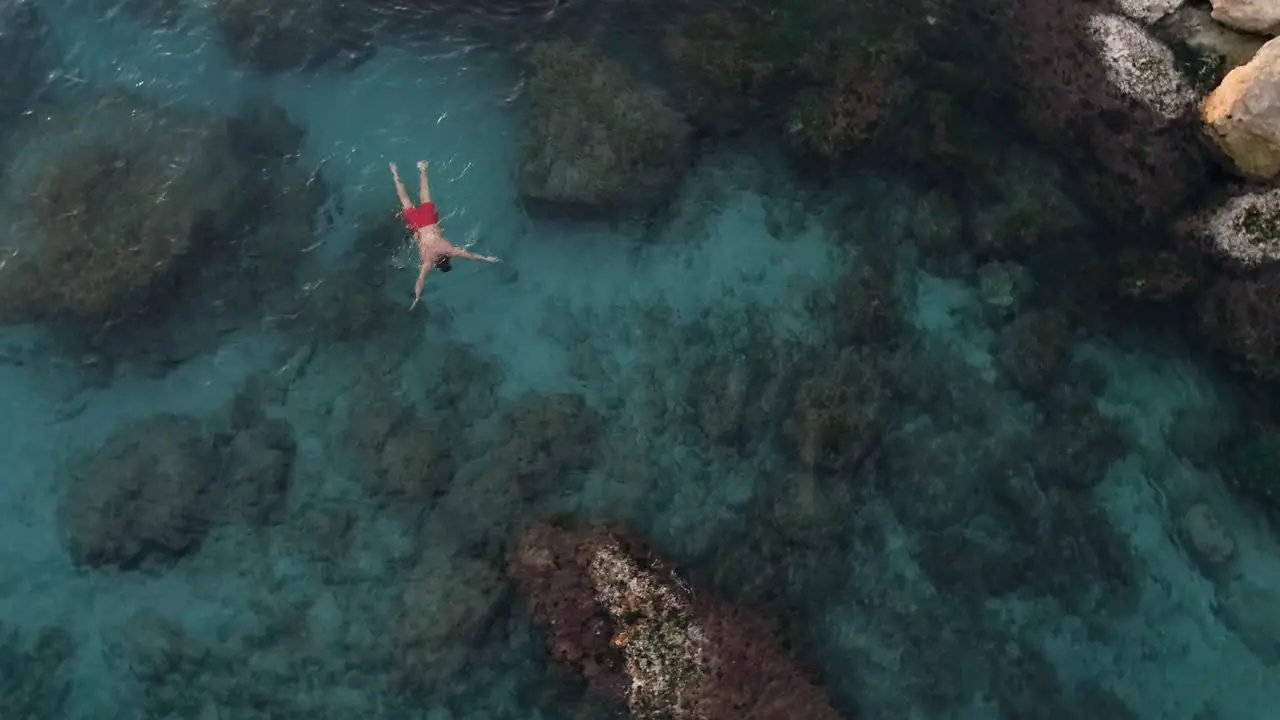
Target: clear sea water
x=620 y=348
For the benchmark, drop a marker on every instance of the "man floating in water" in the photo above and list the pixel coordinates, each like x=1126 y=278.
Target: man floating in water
x=423 y=220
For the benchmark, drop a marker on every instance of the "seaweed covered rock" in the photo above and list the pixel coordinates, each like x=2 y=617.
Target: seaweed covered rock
x=1250 y=462
x=827 y=73
x=258 y=467
x=1025 y=207
x=1242 y=115
x=134 y=193
x=1082 y=72
x=36 y=677
x=283 y=35
x=144 y=495
x=840 y=412
x=1033 y=348
x=409 y=456
x=444 y=608
x=598 y=140
x=545 y=438
x=1243 y=230
x=1147 y=12
x=1239 y=316
x=639 y=635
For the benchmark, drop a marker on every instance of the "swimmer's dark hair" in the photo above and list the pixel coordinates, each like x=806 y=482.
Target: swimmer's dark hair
x=443 y=264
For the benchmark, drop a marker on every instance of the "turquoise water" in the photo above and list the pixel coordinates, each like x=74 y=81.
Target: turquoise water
x=967 y=538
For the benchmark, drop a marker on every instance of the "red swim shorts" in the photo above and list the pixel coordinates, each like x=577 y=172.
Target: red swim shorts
x=424 y=215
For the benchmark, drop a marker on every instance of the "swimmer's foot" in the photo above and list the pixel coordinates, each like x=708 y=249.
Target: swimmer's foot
x=422 y=164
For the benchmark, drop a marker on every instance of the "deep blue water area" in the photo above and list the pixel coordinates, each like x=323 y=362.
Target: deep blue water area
x=862 y=422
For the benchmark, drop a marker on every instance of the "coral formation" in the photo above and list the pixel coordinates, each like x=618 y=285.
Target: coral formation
x=597 y=139
x=641 y=635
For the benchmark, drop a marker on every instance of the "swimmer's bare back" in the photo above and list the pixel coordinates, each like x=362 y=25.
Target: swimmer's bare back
x=424 y=221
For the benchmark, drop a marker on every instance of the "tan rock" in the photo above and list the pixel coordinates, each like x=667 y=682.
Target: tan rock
x=1255 y=16
x=1242 y=115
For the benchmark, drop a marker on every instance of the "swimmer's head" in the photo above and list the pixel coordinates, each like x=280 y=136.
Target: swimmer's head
x=443 y=264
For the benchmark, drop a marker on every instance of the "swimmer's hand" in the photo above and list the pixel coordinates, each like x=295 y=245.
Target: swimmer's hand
x=491 y=258
x=422 y=164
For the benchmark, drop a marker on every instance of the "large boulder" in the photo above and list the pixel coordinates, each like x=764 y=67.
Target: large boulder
x=1255 y=16
x=110 y=199
x=642 y=637
x=1103 y=91
x=1243 y=230
x=598 y=140
x=1242 y=115
x=143 y=496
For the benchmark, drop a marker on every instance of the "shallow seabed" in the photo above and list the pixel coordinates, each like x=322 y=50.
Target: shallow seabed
x=652 y=348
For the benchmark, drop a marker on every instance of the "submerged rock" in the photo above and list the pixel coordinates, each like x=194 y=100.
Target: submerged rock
x=132 y=193
x=1096 y=77
x=1244 y=230
x=284 y=35
x=1242 y=115
x=1254 y=16
x=1219 y=48
x=1147 y=11
x=1241 y=316
x=641 y=636
x=1140 y=66
x=143 y=496
x=1252 y=610
x=23 y=39
x=598 y=139
x=1210 y=544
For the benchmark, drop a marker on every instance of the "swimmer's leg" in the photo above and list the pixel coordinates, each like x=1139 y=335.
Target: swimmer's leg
x=400 y=190
x=424 y=190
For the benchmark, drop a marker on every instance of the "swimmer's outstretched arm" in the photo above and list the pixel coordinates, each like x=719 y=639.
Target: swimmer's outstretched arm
x=467 y=255
x=404 y=194
x=422 y=279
